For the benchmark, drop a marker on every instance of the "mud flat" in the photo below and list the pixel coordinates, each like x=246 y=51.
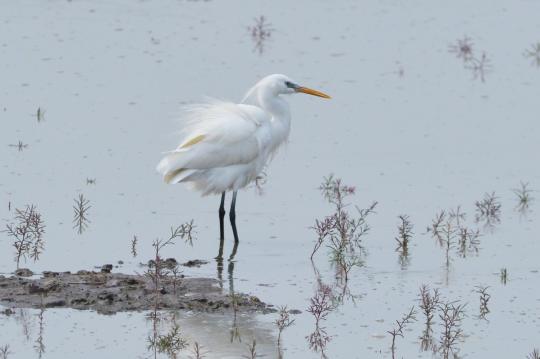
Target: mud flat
x=109 y=293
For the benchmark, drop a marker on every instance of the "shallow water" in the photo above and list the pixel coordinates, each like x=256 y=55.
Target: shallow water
x=408 y=125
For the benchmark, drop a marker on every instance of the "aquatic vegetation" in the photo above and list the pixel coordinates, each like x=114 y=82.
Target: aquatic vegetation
x=23 y=318
x=468 y=242
x=480 y=67
x=340 y=231
x=159 y=269
x=186 y=232
x=405 y=233
x=397 y=331
x=260 y=33
x=449 y=230
x=436 y=226
x=283 y=322
x=40 y=114
x=80 y=213
x=535 y=354
x=429 y=303
x=321 y=304
x=5 y=352
x=39 y=344
x=252 y=350
x=533 y=53
x=174 y=276
x=159 y=273
x=27 y=232
x=198 y=351
x=524 y=197
x=464 y=50
x=488 y=210
x=484 y=300
x=451 y=316
x=504 y=276
x=170 y=343
x=19 y=145
x=134 y=246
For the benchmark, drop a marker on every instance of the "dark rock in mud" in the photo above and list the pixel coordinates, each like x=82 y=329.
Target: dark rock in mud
x=106 y=268
x=7 y=312
x=24 y=272
x=114 y=292
x=194 y=263
x=168 y=263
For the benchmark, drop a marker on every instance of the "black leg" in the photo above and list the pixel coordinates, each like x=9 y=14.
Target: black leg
x=232 y=216
x=221 y=226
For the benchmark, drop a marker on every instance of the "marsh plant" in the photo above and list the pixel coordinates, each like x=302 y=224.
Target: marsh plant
x=484 y=300
x=134 y=246
x=19 y=145
x=397 y=331
x=260 y=32
x=170 y=343
x=343 y=264
x=464 y=50
x=40 y=114
x=252 y=350
x=186 y=231
x=480 y=67
x=504 y=276
x=450 y=315
x=27 y=231
x=159 y=271
x=80 y=213
x=429 y=302
x=524 y=196
x=535 y=354
x=405 y=233
x=468 y=242
x=533 y=53
x=24 y=319
x=5 y=352
x=174 y=274
x=341 y=232
x=283 y=322
x=197 y=351
x=449 y=230
x=39 y=345
x=321 y=304
x=488 y=209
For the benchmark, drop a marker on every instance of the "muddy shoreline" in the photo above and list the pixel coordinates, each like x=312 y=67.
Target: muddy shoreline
x=109 y=293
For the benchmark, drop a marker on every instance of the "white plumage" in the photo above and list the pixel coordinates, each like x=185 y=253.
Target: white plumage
x=224 y=146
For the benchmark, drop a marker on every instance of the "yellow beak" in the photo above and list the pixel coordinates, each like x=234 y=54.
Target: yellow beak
x=312 y=92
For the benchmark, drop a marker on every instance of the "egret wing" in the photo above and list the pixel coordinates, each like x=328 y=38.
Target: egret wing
x=216 y=134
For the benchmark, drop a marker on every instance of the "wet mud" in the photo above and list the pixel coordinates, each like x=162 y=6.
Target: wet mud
x=109 y=293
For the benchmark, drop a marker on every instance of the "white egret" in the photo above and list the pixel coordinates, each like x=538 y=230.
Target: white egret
x=224 y=145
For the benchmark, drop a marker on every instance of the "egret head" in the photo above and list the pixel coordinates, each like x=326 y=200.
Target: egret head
x=281 y=84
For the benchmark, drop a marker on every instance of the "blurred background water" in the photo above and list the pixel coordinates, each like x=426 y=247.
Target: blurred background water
x=410 y=126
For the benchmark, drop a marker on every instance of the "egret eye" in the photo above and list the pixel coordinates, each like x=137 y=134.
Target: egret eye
x=290 y=84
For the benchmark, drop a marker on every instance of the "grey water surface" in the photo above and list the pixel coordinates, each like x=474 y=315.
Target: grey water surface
x=409 y=125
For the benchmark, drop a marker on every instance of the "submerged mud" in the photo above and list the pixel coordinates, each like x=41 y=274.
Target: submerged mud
x=109 y=293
